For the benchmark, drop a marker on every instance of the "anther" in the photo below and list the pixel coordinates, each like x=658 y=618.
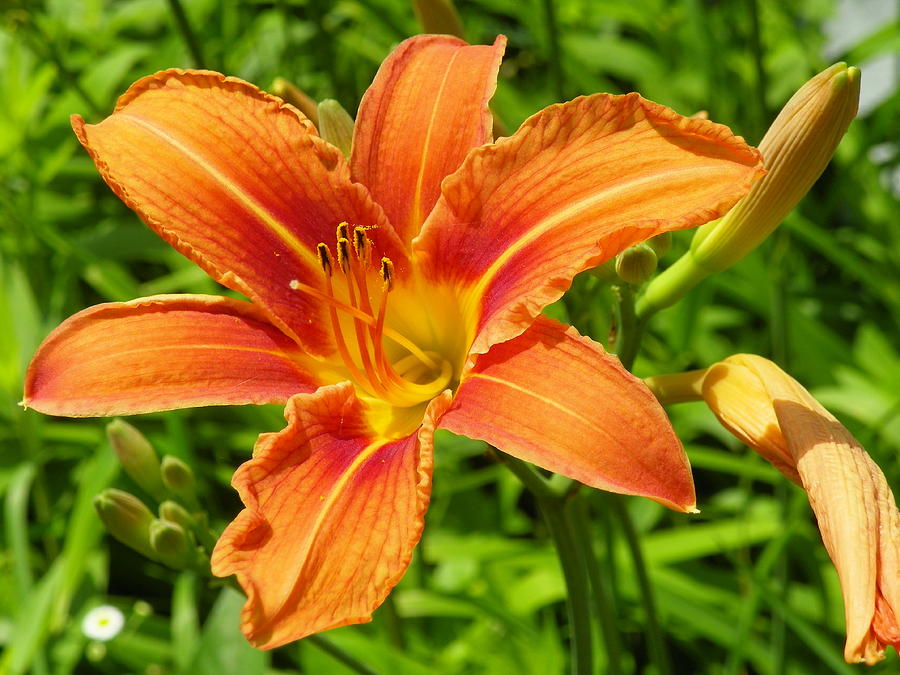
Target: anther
x=387 y=273
x=361 y=245
x=343 y=254
x=324 y=258
x=343 y=231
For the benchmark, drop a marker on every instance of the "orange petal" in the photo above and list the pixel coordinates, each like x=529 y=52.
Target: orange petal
x=556 y=399
x=425 y=110
x=332 y=516
x=161 y=353
x=854 y=506
x=236 y=180
x=576 y=184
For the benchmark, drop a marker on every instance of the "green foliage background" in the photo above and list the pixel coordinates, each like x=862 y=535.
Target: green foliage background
x=744 y=587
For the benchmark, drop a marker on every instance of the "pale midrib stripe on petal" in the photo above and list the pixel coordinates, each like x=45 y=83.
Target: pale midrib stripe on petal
x=252 y=205
x=336 y=491
x=543 y=399
x=423 y=163
x=543 y=226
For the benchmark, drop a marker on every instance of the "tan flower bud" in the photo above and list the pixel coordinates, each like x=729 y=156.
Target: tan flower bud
x=336 y=125
x=438 y=16
x=796 y=150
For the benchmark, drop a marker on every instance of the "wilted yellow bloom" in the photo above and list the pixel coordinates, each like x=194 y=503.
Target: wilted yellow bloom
x=860 y=524
x=796 y=150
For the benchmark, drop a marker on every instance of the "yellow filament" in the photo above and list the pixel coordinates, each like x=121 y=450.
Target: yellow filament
x=381 y=379
x=389 y=332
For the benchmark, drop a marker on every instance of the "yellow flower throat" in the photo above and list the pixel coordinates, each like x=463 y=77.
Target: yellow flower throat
x=413 y=377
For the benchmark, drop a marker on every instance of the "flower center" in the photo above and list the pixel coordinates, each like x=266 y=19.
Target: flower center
x=414 y=375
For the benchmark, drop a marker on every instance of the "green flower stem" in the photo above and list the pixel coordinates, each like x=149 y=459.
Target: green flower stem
x=670 y=286
x=603 y=603
x=630 y=328
x=555 y=51
x=571 y=559
x=655 y=641
x=190 y=38
x=339 y=654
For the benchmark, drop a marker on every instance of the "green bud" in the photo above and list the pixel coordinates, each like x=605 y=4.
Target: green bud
x=336 y=125
x=178 y=477
x=171 y=544
x=660 y=244
x=137 y=457
x=176 y=513
x=127 y=519
x=636 y=264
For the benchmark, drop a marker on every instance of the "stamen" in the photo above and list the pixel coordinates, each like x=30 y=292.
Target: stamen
x=343 y=254
x=361 y=245
x=389 y=332
x=343 y=231
x=324 y=258
x=387 y=273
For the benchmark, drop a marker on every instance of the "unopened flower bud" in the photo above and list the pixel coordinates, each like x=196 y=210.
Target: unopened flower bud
x=176 y=513
x=438 y=16
x=661 y=243
x=336 y=125
x=636 y=264
x=171 y=544
x=298 y=98
x=137 y=457
x=127 y=519
x=796 y=150
x=178 y=477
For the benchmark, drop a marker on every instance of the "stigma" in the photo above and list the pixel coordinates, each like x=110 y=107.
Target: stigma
x=357 y=318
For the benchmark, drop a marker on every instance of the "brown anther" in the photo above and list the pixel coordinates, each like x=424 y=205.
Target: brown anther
x=343 y=254
x=387 y=273
x=343 y=231
x=361 y=245
x=324 y=258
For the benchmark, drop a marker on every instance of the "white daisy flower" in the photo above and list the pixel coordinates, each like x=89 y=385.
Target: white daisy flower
x=103 y=623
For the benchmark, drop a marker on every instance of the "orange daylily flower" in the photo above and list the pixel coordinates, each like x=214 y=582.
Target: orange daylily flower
x=771 y=412
x=390 y=294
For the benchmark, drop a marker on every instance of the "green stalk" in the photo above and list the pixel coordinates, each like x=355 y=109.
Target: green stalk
x=190 y=38
x=571 y=560
x=339 y=654
x=655 y=641
x=630 y=327
x=579 y=518
x=555 y=51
